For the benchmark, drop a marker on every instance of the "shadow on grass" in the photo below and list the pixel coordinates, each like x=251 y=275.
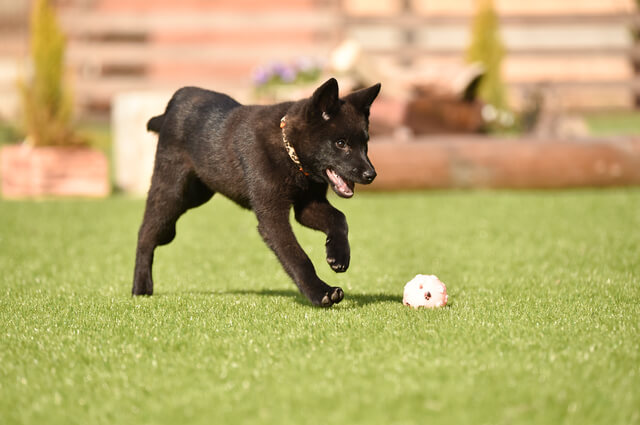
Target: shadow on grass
x=359 y=299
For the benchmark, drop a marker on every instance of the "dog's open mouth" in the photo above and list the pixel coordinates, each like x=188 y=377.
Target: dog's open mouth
x=341 y=186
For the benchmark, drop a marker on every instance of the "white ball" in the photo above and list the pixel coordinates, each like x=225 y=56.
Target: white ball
x=425 y=291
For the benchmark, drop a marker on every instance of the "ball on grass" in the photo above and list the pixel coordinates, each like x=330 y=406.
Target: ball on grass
x=425 y=291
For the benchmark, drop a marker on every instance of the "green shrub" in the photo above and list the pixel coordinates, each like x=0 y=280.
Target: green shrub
x=486 y=47
x=47 y=102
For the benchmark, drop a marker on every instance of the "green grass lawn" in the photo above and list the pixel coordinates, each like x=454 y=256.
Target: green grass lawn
x=615 y=123
x=542 y=326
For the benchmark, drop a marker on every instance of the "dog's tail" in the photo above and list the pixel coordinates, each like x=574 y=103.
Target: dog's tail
x=155 y=123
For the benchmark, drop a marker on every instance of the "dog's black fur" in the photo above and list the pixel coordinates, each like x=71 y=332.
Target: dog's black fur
x=210 y=143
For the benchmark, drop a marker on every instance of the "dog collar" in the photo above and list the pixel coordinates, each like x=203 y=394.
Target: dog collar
x=290 y=150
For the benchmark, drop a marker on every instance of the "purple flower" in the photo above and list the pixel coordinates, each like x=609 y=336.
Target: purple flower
x=303 y=70
x=260 y=76
x=275 y=67
x=282 y=71
x=287 y=74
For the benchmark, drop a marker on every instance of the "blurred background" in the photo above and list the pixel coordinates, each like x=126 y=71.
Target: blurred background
x=476 y=93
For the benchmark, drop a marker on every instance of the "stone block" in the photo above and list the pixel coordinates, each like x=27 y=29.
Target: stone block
x=134 y=147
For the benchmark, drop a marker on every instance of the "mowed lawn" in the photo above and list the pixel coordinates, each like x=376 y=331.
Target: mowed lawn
x=542 y=326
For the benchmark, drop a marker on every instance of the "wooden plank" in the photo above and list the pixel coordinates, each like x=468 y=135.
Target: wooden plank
x=129 y=53
x=569 y=68
x=634 y=53
x=14 y=45
x=579 y=36
x=414 y=20
x=371 y=8
x=101 y=90
x=455 y=37
x=201 y=6
x=580 y=96
x=422 y=53
x=77 y=23
x=531 y=8
x=240 y=37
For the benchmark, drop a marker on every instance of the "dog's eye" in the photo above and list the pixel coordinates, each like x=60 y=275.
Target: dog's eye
x=341 y=144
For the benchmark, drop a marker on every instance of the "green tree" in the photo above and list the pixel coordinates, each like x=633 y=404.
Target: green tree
x=47 y=102
x=487 y=48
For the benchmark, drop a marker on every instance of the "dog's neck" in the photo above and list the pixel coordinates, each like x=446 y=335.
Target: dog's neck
x=289 y=148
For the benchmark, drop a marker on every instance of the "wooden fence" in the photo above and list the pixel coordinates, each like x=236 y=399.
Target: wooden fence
x=583 y=49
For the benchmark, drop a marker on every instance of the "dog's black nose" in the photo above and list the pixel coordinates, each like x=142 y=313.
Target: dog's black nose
x=369 y=175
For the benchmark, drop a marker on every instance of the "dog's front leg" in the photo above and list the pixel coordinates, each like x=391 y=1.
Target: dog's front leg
x=319 y=214
x=275 y=229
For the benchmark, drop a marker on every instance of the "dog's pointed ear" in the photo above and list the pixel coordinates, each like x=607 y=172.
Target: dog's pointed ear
x=325 y=101
x=362 y=99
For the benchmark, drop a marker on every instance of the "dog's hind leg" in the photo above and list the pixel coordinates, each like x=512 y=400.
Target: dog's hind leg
x=174 y=189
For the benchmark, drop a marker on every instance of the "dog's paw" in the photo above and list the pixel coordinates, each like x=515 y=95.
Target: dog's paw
x=338 y=255
x=323 y=295
x=334 y=296
x=142 y=286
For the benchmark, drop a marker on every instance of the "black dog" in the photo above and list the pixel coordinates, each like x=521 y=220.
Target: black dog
x=265 y=158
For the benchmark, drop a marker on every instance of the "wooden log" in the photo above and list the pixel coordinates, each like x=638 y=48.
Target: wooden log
x=479 y=162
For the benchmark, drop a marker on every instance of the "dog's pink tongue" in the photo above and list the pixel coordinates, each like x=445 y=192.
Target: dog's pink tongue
x=340 y=185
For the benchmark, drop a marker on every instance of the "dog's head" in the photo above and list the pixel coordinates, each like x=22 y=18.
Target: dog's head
x=331 y=136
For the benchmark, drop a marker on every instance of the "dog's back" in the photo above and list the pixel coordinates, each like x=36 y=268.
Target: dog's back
x=182 y=117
